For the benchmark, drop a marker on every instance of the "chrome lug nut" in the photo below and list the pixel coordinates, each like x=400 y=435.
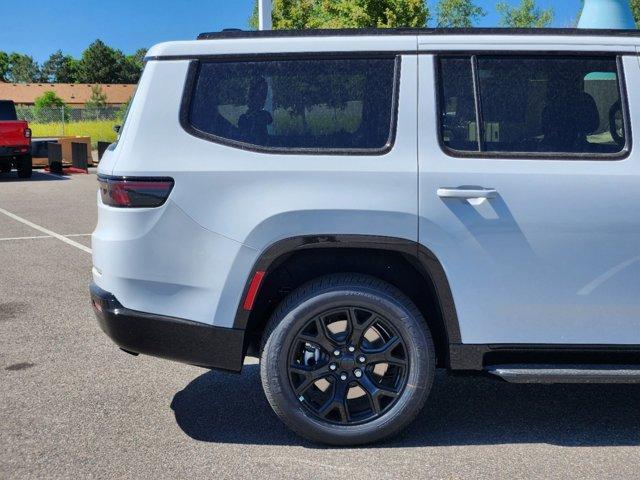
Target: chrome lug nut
x=357 y=372
x=362 y=359
x=352 y=349
x=343 y=376
x=333 y=366
x=336 y=353
x=301 y=398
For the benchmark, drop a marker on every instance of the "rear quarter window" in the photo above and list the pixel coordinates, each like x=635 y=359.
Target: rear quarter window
x=7 y=111
x=314 y=106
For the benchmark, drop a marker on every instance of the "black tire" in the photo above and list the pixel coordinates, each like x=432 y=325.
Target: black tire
x=308 y=303
x=25 y=168
x=5 y=166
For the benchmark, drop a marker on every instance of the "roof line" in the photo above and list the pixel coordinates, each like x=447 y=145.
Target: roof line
x=236 y=33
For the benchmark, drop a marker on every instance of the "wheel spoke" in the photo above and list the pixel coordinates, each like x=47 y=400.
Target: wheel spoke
x=338 y=401
x=384 y=353
x=358 y=329
x=311 y=376
x=322 y=337
x=375 y=392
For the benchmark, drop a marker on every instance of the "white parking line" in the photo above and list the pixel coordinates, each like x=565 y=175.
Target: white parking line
x=24 y=238
x=35 y=237
x=46 y=231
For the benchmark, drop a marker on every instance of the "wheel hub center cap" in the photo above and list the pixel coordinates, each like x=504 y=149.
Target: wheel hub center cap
x=347 y=362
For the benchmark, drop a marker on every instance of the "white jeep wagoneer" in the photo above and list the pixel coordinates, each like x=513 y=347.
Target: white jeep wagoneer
x=358 y=208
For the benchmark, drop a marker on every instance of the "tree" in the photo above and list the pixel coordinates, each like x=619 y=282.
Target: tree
x=100 y=64
x=298 y=14
x=131 y=66
x=525 y=15
x=458 y=13
x=96 y=102
x=4 y=66
x=49 y=107
x=635 y=8
x=60 y=68
x=22 y=69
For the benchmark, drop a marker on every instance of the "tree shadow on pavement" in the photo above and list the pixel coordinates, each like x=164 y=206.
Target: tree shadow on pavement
x=462 y=410
x=37 y=176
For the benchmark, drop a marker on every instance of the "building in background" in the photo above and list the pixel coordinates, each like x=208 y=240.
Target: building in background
x=74 y=95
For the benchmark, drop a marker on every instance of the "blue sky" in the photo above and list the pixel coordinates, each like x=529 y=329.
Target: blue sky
x=70 y=25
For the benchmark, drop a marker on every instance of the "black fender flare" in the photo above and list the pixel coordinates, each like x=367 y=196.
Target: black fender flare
x=423 y=259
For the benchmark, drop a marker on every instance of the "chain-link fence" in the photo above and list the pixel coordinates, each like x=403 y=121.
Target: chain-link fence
x=96 y=123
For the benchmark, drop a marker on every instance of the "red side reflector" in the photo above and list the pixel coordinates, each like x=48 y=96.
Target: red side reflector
x=253 y=290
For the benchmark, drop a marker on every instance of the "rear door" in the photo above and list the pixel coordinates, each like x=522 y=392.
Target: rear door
x=533 y=210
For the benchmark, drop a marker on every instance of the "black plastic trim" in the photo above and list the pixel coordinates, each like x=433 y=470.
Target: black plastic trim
x=168 y=337
x=192 y=77
x=574 y=32
x=424 y=259
x=540 y=156
x=473 y=357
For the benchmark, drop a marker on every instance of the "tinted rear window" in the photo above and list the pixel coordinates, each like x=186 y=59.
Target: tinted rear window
x=7 y=111
x=313 y=105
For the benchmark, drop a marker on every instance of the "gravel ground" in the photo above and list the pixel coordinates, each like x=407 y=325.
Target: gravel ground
x=74 y=406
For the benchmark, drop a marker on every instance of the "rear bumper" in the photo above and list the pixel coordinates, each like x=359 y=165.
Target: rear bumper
x=168 y=337
x=10 y=151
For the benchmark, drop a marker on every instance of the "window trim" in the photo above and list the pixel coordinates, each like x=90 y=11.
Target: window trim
x=194 y=71
x=506 y=155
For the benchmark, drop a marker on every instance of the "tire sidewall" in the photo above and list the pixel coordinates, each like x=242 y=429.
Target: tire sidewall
x=413 y=333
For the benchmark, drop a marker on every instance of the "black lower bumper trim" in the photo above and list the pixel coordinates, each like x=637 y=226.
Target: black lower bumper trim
x=167 y=337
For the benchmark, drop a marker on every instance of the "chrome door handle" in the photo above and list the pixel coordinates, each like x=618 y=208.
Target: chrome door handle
x=467 y=193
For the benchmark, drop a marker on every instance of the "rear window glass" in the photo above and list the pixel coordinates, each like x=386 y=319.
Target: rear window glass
x=554 y=104
x=7 y=111
x=331 y=104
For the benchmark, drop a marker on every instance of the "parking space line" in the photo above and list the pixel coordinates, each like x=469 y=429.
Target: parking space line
x=46 y=231
x=24 y=238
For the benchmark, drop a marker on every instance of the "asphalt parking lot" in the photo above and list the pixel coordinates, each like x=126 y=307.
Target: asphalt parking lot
x=74 y=406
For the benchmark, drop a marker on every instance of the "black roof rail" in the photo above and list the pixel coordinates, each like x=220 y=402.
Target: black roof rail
x=238 y=33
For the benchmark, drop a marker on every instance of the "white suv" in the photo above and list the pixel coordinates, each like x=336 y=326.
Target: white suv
x=357 y=208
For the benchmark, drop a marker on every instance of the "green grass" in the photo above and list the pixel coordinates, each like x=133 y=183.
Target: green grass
x=98 y=130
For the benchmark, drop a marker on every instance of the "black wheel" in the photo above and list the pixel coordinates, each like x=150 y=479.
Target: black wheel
x=347 y=359
x=5 y=166
x=25 y=168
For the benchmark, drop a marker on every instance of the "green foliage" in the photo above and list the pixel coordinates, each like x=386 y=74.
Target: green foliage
x=60 y=68
x=22 y=69
x=131 y=66
x=4 y=66
x=299 y=14
x=635 y=8
x=525 y=15
x=458 y=13
x=103 y=64
x=47 y=105
x=97 y=101
x=100 y=64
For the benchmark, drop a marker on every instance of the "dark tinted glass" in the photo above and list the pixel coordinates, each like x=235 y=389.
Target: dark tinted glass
x=533 y=104
x=551 y=104
x=457 y=104
x=7 y=111
x=297 y=104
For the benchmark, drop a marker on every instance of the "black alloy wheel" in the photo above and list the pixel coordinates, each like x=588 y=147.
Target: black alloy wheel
x=348 y=365
x=347 y=359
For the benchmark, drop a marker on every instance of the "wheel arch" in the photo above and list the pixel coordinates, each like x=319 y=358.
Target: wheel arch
x=407 y=264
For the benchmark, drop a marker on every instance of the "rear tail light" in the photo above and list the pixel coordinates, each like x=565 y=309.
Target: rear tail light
x=130 y=192
x=27 y=133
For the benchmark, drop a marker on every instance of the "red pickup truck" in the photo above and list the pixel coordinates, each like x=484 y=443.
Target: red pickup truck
x=15 y=141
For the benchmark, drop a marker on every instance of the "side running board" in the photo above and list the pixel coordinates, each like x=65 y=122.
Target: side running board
x=566 y=373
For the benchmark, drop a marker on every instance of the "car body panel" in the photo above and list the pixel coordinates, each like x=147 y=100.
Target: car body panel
x=554 y=258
